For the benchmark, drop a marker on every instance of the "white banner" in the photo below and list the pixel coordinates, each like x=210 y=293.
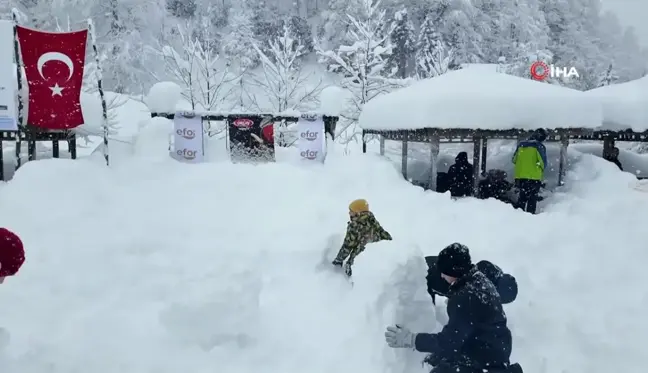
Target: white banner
x=188 y=142
x=8 y=81
x=310 y=132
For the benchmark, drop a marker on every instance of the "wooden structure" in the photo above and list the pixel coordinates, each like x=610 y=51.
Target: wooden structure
x=330 y=122
x=33 y=135
x=479 y=138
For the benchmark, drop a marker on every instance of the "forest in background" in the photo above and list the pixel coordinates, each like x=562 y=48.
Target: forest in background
x=222 y=52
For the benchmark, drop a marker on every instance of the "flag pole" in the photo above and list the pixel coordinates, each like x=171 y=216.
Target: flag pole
x=21 y=108
x=99 y=77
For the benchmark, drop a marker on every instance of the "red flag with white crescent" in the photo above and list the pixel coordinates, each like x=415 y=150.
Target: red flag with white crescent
x=54 y=65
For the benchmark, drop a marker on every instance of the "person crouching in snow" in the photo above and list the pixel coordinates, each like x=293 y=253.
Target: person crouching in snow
x=12 y=254
x=505 y=283
x=476 y=338
x=362 y=229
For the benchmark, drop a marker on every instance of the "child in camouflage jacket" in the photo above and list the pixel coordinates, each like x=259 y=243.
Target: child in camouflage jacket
x=363 y=228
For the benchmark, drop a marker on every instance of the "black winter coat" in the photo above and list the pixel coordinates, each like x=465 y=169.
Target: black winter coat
x=461 y=177
x=476 y=335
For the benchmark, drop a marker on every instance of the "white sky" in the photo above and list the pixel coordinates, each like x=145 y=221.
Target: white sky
x=631 y=13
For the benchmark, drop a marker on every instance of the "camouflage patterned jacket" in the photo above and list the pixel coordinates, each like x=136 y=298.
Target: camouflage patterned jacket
x=361 y=230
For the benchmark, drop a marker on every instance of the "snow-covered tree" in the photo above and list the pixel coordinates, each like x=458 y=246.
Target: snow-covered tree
x=283 y=81
x=182 y=8
x=403 y=42
x=198 y=68
x=609 y=78
x=363 y=64
x=433 y=56
x=282 y=78
x=238 y=43
x=335 y=24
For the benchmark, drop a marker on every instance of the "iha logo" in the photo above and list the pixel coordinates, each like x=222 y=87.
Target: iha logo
x=187 y=154
x=186 y=133
x=309 y=154
x=308 y=135
x=540 y=71
x=243 y=123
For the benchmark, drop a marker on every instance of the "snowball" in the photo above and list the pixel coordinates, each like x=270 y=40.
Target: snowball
x=163 y=97
x=333 y=100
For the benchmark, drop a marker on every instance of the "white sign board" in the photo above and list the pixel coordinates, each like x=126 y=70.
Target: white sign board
x=188 y=136
x=310 y=132
x=8 y=83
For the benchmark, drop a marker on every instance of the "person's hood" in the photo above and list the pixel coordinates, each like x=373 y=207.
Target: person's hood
x=462 y=157
x=505 y=284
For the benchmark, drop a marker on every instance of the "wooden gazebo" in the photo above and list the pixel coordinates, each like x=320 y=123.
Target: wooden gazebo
x=475 y=106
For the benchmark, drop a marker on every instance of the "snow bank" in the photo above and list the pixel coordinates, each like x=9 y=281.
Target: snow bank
x=476 y=98
x=163 y=97
x=174 y=268
x=390 y=284
x=625 y=105
x=153 y=139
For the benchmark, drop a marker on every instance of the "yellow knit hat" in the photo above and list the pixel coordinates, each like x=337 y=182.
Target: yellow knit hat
x=359 y=205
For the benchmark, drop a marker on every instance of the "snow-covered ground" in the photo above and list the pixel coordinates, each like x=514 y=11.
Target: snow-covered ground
x=157 y=266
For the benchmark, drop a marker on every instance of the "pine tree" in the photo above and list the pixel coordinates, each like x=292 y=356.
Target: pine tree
x=403 y=41
x=433 y=56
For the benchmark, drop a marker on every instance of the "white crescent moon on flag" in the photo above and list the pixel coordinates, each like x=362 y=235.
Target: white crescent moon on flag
x=55 y=56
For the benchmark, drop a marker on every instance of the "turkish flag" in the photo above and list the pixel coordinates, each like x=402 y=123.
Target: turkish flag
x=54 y=65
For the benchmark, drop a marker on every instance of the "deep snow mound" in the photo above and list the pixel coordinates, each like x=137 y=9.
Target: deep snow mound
x=161 y=266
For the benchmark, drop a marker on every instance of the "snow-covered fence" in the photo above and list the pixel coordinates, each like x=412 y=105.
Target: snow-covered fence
x=329 y=121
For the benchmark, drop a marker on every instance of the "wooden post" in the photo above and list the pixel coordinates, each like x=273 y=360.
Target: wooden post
x=1 y=161
x=476 y=153
x=562 y=166
x=99 y=77
x=55 y=149
x=435 y=146
x=484 y=154
x=72 y=144
x=31 y=149
x=364 y=142
x=21 y=107
x=608 y=146
x=382 y=145
x=404 y=153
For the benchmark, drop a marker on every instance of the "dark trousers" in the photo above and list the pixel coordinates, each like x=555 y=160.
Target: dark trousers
x=529 y=191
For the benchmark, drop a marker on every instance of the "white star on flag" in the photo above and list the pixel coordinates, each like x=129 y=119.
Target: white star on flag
x=56 y=90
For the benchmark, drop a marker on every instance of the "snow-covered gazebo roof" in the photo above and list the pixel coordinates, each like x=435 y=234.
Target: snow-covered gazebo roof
x=481 y=99
x=625 y=105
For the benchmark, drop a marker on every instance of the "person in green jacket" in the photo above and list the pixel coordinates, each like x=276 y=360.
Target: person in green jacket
x=363 y=228
x=530 y=161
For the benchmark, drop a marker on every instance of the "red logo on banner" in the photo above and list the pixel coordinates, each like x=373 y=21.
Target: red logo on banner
x=244 y=123
x=54 y=65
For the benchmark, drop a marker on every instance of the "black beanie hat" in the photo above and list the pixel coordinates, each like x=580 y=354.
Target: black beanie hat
x=454 y=260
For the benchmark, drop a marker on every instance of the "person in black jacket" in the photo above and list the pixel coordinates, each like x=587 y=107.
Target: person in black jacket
x=505 y=283
x=461 y=177
x=495 y=186
x=476 y=338
x=613 y=157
